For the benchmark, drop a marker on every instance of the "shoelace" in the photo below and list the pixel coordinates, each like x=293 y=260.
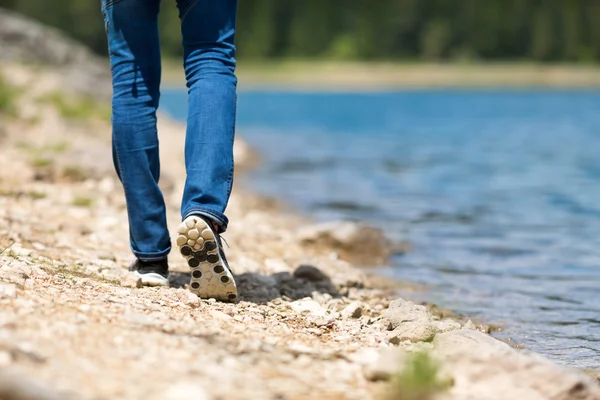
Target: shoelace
x=221 y=238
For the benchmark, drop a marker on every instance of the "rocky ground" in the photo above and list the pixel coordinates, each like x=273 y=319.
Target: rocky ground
x=309 y=325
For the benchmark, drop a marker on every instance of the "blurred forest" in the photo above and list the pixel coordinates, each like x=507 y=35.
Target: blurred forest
x=408 y=30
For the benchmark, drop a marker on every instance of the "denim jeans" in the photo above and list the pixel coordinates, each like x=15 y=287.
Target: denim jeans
x=208 y=29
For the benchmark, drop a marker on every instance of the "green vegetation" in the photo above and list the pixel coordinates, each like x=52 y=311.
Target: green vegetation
x=32 y=194
x=74 y=272
x=418 y=380
x=413 y=30
x=8 y=97
x=83 y=201
x=40 y=161
x=7 y=247
x=80 y=109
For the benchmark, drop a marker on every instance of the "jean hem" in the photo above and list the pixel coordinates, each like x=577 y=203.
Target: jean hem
x=219 y=218
x=152 y=256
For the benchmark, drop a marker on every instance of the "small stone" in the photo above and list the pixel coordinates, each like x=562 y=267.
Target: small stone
x=186 y=391
x=5 y=359
x=381 y=364
x=447 y=326
x=353 y=310
x=131 y=281
x=319 y=320
x=308 y=306
x=418 y=331
x=314 y=331
x=107 y=256
x=221 y=316
x=469 y=325
x=8 y=290
x=402 y=311
x=140 y=319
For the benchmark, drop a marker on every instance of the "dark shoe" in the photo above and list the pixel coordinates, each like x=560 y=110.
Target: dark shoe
x=152 y=273
x=201 y=246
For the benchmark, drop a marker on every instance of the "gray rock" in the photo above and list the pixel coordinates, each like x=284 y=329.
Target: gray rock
x=352 y=241
x=310 y=273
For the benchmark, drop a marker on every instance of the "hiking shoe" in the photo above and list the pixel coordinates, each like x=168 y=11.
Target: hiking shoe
x=201 y=246
x=152 y=273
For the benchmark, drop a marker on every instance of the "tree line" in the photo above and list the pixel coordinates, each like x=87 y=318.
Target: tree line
x=391 y=30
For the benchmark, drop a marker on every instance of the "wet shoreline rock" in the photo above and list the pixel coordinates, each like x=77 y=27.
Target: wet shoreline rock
x=357 y=243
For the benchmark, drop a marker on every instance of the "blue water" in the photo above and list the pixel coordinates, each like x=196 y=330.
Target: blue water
x=497 y=191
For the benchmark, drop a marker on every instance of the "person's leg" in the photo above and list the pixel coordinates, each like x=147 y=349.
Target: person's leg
x=208 y=29
x=133 y=42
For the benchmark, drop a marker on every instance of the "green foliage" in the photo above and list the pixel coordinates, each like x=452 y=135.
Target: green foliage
x=418 y=380
x=82 y=108
x=39 y=161
x=8 y=97
x=83 y=201
x=549 y=30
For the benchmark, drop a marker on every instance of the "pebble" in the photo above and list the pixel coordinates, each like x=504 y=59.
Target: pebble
x=8 y=290
x=353 y=310
x=186 y=391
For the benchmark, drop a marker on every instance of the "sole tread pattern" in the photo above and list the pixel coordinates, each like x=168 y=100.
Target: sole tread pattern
x=210 y=278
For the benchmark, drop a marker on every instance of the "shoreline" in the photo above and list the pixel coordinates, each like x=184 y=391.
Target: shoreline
x=75 y=309
x=376 y=76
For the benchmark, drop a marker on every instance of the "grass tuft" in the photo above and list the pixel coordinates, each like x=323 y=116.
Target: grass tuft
x=417 y=380
x=82 y=108
x=8 y=97
x=82 y=201
x=41 y=162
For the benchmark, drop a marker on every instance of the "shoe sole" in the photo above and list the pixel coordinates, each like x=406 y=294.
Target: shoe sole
x=210 y=277
x=152 y=279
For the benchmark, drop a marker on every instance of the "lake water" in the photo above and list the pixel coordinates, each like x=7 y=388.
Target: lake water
x=497 y=191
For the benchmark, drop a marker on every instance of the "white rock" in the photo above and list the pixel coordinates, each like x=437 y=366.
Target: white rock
x=8 y=290
x=186 y=391
x=308 y=306
x=485 y=368
x=5 y=359
x=353 y=310
x=381 y=364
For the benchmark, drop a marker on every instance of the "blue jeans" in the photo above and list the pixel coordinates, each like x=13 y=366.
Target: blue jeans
x=208 y=29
